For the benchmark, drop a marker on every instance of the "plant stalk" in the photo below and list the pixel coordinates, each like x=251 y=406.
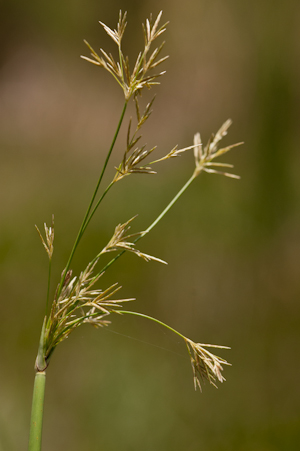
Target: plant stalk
x=151 y=318
x=35 y=435
x=86 y=219
x=48 y=287
x=168 y=207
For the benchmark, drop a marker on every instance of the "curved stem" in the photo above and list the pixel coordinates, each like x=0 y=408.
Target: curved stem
x=35 y=435
x=152 y=319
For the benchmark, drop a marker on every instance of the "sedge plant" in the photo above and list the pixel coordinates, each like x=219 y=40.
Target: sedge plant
x=79 y=299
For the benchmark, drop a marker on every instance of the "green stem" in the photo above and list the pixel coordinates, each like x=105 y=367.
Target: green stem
x=86 y=219
x=35 y=436
x=96 y=206
x=129 y=312
x=168 y=207
x=152 y=319
x=48 y=288
x=154 y=223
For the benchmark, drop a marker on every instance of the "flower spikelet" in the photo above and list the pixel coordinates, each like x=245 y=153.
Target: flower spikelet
x=131 y=82
x=204 y=156
x=134 y=156
x=120 y=241
x=131 y=163
x=117 y=34
x=175 y=152
x=49 y=234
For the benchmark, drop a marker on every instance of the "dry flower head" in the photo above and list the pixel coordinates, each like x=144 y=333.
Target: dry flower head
x=135 y=81
x=205 y=364
x=78 y=303
x=119 y=241
x=204 y=157
x=134 y=156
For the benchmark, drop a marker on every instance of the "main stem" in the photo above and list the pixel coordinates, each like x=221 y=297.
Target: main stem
x=48 y=288
x=35 y=435
x=86 y=217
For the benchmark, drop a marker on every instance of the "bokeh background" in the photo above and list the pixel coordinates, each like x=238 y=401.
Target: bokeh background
x=232 y=246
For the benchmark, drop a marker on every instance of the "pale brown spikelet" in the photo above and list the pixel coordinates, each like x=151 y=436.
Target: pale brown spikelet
x=134 y=156
x=175 y=152
x=198 y=154
x=204 y=157
x=120 y=241
x=49 y=234
x=117 y=34
x=131 y=163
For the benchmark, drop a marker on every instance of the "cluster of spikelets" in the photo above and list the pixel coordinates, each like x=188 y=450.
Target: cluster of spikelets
x=135 y=155
x=132 y=82
x=77 y=301
x=119 y=241
x=204 y=157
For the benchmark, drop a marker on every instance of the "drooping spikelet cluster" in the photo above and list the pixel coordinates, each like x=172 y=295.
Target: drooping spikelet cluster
x=205 y=365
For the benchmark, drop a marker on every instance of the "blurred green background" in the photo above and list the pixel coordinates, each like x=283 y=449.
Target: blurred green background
x=232 y=246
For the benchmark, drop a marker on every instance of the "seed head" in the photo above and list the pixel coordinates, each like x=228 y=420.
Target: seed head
x=138 y=79
x=204 y=157
x=119 y=241
x=205 y=365
x=78 y=303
